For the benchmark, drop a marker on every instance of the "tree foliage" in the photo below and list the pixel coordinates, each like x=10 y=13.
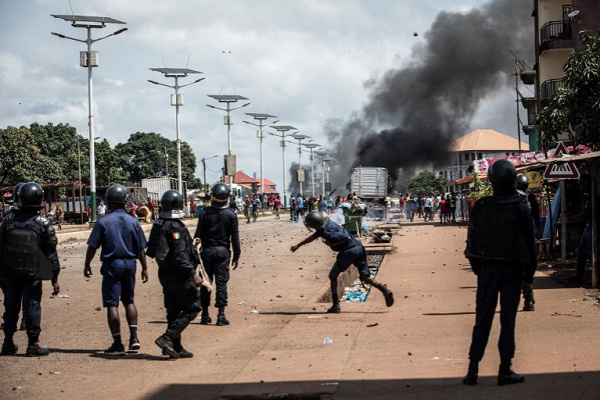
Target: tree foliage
x=427 y=183
x=143 y=156
x=576 y=107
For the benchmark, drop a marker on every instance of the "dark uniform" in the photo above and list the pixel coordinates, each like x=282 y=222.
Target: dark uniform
x=350 y=252
x=501 y=250
x=27 y=256
x=171 y=244
x=218 y=230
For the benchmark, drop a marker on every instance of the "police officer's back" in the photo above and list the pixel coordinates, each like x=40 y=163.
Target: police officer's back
x=218 y=230
x=501 y=250
x=171 y=244
x=27 y=256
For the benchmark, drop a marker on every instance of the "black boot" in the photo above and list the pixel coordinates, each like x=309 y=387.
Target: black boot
x=183 y=353
x=506 y=376
x=9 y=348
x=173 y=333
x=472 y=373
x=221 y=320
x=34 y=349
x=387 y=293
x=166 y=344
x=205 y=318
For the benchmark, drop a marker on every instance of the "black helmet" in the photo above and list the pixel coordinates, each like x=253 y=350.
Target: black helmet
x=503 y=176
x=116 y=194
x=171 y=205
x=522 y=184
x=30 y=196
x=16 y=193
x=219 y=194
x=315 y=220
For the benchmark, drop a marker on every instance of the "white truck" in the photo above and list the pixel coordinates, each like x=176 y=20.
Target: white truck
x=369 y=183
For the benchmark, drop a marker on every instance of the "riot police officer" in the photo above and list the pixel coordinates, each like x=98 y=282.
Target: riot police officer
x=27 y=256
x=218 y=231
x=123 y=242
x=171 y=244
x=350 y=251
x=522 y=185
x=501 y=250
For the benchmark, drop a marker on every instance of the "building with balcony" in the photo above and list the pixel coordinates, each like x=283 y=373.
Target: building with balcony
x=557 y=27
x=477 y=145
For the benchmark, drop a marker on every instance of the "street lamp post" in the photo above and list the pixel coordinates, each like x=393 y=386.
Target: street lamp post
x=89 y=59
x=261 y=118
x=204 y=169
x=300 y=138
x=79 y=177
x=282 y=129
x=311 y=146
x=177 y=101
x=230 y=165
x=325 y=160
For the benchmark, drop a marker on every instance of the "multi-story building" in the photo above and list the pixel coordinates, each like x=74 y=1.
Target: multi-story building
x=477 y=145
x=557 y=27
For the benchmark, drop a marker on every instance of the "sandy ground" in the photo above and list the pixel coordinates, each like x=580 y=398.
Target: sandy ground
x=415 y=349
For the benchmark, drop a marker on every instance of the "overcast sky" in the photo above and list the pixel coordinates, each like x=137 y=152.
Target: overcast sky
x=305 y=61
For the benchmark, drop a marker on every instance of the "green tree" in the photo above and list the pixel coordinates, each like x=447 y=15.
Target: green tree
x=22 y=159
x=142 y=156
x=576 y=107
x=427 y=182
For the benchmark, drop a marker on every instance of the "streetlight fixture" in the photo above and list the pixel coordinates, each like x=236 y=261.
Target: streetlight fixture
x=311 y=146
x=230 y=167
x=300 y=172
x=177 y=101
x=282 y=129
x=89 y=59
x=261 y=118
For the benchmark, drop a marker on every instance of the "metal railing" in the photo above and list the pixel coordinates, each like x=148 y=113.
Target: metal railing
x=550 y=88
x=554 y=30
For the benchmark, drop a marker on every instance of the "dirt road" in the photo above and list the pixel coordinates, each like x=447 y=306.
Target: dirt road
x=416 y=349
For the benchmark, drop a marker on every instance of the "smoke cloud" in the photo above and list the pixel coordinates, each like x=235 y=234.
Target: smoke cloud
x=414 y=112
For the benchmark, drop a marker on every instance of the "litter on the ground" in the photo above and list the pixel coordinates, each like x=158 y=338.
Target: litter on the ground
x=327 y=340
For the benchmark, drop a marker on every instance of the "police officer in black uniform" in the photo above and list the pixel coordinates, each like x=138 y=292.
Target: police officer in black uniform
x=218 y=230
x=501 y=250
x=171 y=244
x=27 y=256
x=522 y=187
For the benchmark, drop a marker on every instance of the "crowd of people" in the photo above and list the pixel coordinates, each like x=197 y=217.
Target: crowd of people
x=449 y=208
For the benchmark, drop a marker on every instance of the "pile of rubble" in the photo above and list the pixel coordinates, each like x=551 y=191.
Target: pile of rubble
x=357 y=291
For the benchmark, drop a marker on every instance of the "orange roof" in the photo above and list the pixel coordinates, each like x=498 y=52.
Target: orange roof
x=487 y=140
x=267 y=182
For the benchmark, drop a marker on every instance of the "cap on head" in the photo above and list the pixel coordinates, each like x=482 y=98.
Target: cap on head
x=522 y=184
x=503 y=176
x=315 y=220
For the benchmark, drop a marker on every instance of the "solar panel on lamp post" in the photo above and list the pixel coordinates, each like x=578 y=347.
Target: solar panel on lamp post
x=230 y=165
x=300 y=172
x=177 y=101
x=261 y=118
x=282 y=129
x=89 y=59
x=311 y=146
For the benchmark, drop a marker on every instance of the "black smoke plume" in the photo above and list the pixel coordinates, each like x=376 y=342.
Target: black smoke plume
x=414 y=112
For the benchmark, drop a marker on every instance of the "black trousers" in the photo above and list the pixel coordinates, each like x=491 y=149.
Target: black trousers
x=216 y=262
x=30 y=292
x=493 y=279
x=181 y=295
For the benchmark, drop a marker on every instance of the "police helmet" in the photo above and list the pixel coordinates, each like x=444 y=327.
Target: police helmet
x=219 y=195
x=522 y=184
x=116 y=194
x=315 y=220
x=16 y=193
x=171 y=205
x=503 y=176
x=30 y=196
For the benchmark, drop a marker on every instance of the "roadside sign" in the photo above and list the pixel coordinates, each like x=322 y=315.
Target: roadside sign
x=565 y=170
x=560 y=150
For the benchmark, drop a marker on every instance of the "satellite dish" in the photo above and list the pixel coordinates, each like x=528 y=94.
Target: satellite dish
x=573 y=14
